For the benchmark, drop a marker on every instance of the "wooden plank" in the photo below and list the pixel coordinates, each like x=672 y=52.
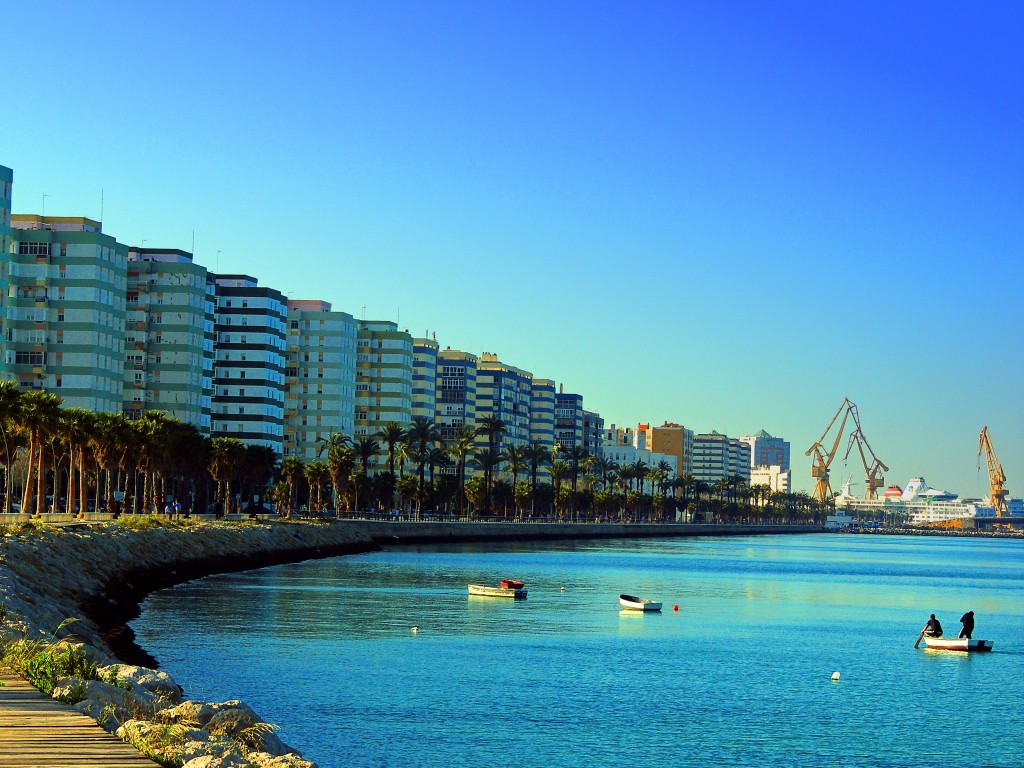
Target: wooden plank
x=39 y=732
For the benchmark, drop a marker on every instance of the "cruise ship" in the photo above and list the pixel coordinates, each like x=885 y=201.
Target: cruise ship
x=917 y=504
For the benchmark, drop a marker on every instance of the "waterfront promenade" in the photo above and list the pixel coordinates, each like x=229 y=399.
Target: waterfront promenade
x=39 y=732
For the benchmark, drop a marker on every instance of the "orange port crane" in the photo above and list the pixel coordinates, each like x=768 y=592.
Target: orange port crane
x=871 y=471
x=996 y=478
x=822 y=459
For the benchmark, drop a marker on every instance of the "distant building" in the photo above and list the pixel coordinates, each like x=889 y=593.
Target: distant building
x=716 y=456
x=675 y=440
x=6 y=185
x=424 y=378
x=774 y=476
x=542 y=415
x=455 y=399
x=766 y=451
x=320 y=377
x=248 y=400
x=65 y=329
x=568 y=420
x=593 y=431
x=504 y=391
x=167 y=352
x=384 y=362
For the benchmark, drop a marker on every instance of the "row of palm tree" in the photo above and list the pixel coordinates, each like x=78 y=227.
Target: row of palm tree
x=83 y=458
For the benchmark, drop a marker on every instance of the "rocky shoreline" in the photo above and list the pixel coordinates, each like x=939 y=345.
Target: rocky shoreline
x=98 y=576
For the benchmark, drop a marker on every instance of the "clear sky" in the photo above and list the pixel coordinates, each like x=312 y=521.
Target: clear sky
x=728 y=215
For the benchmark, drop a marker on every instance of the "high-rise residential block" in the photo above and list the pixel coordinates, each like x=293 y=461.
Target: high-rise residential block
x=766 y=450
x=384 y=361
x=504 y=391
x=166 y=356
x=593 y=432
x=6 y=184
x=424 y=378
x=248 y=401
x=320 y=377
x=716 y=456
x=66 y=310
x=568 y=420
x=455 y=404
x=542 y=413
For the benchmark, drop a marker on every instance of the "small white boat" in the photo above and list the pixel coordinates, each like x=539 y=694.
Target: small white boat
x=516 y=593
x=631 y=603
x=957 y=644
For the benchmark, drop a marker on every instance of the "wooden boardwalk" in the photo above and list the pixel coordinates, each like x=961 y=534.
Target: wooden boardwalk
x=39 y=732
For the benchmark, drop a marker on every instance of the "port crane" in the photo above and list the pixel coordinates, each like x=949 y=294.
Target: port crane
x=871 y=471
x=823 y=458
x=996 y=478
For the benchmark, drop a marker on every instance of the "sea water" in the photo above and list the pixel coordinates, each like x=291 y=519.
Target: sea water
x=740 y=675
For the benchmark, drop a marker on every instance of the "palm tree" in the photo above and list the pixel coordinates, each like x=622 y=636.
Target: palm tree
x=226 y=455
x=341 y=460
x=538 y=453
x=575 y=457
x=258 y=467
x=422 y=435
x=317 y=475
x=489 y=460
x=75 y=425
x=392 y=434
x=460 y=447
x=291 y=470
x=108 y=438
x=493 y=427
x=39 y=414
x=516 y=456
x=367 y=450
x=10 y=409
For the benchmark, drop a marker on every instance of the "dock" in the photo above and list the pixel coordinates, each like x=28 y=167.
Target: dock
x=39 y=732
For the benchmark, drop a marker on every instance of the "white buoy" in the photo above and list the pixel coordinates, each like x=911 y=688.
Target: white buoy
x=563 y=589
x=417 y=629
x=835 y=676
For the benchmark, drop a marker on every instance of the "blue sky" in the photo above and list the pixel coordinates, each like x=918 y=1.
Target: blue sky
x=728 y=215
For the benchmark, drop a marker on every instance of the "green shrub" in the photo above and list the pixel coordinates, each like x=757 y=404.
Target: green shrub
x=44 y=663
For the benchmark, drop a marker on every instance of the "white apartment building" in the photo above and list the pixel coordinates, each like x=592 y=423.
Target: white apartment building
x=248 y=400
x=424 y=378
x=716 y=456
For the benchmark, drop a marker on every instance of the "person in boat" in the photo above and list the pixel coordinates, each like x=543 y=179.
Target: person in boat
x=968 y=621
x=932 y=628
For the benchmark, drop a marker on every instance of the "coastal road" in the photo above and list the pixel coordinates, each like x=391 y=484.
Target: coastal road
x=39 y=732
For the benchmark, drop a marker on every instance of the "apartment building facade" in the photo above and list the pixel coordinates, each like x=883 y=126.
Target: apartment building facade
x=166 y=346
x=65 y=324
x=384 y=365
x=249 y=362
x=320 y=377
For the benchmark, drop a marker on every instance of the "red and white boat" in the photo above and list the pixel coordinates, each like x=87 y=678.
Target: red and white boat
x=957 y=644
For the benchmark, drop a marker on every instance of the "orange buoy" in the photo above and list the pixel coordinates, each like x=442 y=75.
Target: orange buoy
x=675 y=607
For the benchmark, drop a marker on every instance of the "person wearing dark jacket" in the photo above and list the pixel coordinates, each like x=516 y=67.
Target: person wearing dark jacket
x=932 y=628
x=968 y=621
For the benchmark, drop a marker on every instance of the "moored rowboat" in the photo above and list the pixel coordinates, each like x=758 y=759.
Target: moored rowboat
x=631 y=603
x=957 y=644
x=516 y=593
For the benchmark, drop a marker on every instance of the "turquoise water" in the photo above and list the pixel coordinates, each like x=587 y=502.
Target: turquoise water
x=739 y=676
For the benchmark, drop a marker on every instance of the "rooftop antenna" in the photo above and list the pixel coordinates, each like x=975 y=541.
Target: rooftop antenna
x=364 y=313
x=44 y=204
x=101 y=207
x=218 y=261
